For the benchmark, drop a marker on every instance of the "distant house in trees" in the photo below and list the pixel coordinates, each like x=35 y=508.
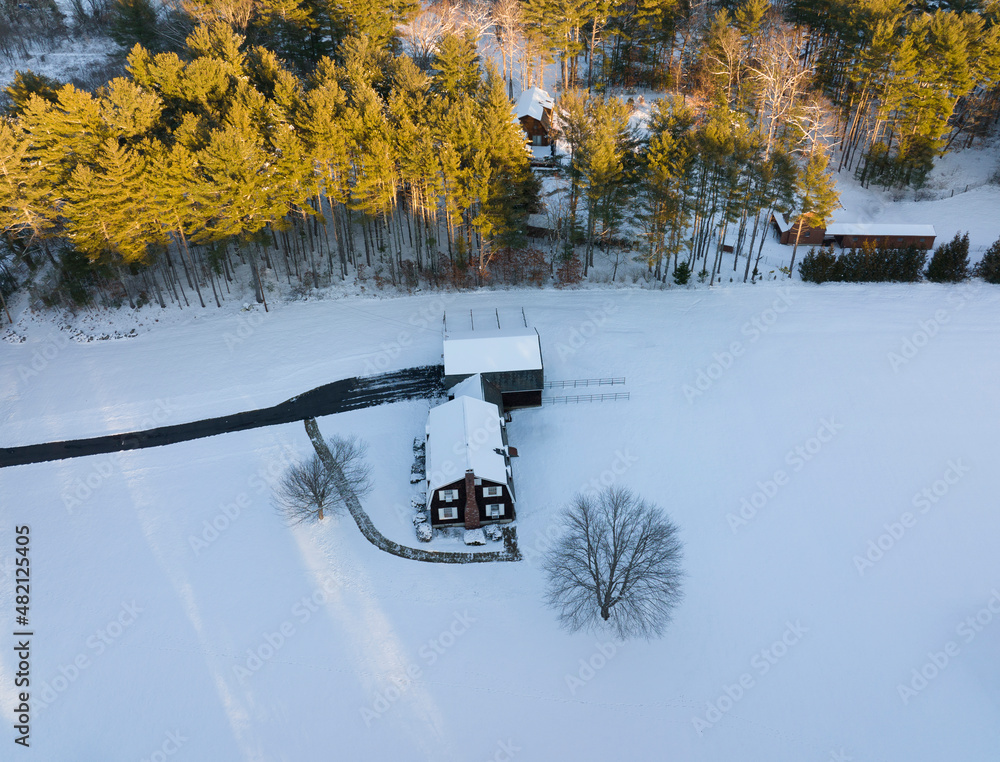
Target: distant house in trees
x=469 y=475
x=849 y=235
x=787 y=232
x=534 y=112
x=502 y=348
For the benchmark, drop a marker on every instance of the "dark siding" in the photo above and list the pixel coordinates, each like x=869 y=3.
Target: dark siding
x=519 y=388
x=514 y=400
x=888 y=242
x=516 y=380
x=507 y=500
x=492 y=394
x=537 y=131
x=809 y=235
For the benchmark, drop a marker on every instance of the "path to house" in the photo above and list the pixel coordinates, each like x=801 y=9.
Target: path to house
x=338 y=397
x=380 y=541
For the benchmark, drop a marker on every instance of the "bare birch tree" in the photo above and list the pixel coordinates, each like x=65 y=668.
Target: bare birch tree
x=508 y=29
x=617 y=564
x=780 y=79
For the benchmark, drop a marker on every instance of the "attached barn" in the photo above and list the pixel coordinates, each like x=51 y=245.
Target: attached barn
x=501 y=347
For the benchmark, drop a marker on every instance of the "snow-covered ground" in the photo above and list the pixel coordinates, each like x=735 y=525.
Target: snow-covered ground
x=790 y=432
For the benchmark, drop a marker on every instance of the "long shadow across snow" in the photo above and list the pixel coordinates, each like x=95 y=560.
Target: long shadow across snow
x=338 y=397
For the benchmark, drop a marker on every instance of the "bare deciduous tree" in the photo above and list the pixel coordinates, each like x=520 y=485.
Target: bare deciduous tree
x=780 y=78
x=425 y=31
x=618 y=562
x=508 y=30
x=308 y=489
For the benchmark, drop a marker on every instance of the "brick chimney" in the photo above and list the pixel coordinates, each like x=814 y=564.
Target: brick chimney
x=471 y=506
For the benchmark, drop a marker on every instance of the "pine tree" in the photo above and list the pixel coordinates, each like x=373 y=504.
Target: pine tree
x=950 y=263
x=28 y=83
x=17 y=215
x=376 y=21
x=134 y=22
x=457 y=64
x=605 y=168
x=817 y=197
x=97 y=223
x=180 y=201
x=989 y=266
x=662 y=209
x=512 y=190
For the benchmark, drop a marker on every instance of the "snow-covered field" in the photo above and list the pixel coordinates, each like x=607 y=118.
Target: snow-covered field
x=790 y=432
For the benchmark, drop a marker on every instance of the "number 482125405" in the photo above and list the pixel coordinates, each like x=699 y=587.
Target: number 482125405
x=22 y=572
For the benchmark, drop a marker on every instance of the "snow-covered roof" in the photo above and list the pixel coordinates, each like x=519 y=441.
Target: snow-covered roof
x=470 y=387
x=879 y=229
x=493 y=350
x=779 y=219
x=489 y=341
x=462 y=435
x=533 y=103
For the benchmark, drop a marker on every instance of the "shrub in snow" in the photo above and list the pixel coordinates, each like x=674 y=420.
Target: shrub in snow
x=873 y=265
x=617 y=562
x=494 y=532
x=424 y=532
x=819 y=266
x=569 y=272
x=682 y=274
x=950 y=263
x=475 y=537
x=420 y=518
x=867 y=264
x=989 y=267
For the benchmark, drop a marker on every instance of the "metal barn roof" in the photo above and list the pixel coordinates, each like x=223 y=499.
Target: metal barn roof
x=490 y=342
